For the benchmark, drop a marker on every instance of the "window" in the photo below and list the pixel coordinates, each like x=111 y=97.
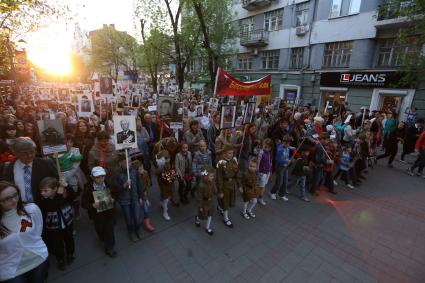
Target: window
x=297 y=55
x=392 y=53
x=301 y=14
x=273 y=20
x=270 y=59
x=191 y=66
x=338 y=54
x=244 y=62
x=246 y=25
x=341 y=8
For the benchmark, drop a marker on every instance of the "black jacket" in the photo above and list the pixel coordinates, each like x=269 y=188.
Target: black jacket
x=41 y=168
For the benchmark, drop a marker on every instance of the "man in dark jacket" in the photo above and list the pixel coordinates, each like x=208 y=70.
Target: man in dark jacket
x=27 y=171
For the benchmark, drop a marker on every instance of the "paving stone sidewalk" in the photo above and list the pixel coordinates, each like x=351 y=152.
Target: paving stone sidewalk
x=371 y=234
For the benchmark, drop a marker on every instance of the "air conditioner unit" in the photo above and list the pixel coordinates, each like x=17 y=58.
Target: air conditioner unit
x=302 y=30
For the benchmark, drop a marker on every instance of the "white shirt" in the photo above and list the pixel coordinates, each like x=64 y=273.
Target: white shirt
x=22 y=251
x=18 y=175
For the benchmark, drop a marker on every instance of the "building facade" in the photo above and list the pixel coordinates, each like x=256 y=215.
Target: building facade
x=325 y=51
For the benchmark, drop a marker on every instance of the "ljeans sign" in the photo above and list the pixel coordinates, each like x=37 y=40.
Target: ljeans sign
x=360 y=79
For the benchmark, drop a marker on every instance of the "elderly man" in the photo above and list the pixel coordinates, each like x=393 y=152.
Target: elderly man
x=27 y=171
x=126 y=135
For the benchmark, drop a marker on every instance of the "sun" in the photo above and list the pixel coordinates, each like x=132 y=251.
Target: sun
x=55 y=61
x=51 y=52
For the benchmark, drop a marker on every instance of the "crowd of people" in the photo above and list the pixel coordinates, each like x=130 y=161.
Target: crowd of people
x=41 y=197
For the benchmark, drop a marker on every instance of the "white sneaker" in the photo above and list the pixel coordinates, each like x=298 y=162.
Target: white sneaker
x=261 y=201
x=272 y=196
x=284 y=198
x=350 y=186
x=166 y=216
x=335 y=183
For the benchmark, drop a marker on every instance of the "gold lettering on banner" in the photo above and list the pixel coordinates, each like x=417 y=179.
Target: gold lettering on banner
x=234 y=85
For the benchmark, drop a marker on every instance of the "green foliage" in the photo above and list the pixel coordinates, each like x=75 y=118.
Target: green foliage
x=411 y=34
x=22 y=16
x=110 y=50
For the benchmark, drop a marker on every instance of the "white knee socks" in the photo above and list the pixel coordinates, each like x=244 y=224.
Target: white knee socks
x=252 y=204
x=226 y=215
x=208 y=226
x=245 y=207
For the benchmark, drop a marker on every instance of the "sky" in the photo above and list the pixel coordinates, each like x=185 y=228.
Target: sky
x=49 y=47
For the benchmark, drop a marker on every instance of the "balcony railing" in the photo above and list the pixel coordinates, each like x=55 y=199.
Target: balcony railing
x=251 y=5
x=396 y=10
x=255 y=38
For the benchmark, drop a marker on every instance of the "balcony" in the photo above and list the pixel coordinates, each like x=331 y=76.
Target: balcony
x=394 y=15
x=252 y=5
x=255 y=38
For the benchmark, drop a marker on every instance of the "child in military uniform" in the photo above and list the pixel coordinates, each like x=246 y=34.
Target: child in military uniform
x=227 y=181
x=204 y=198
x=166 y=177
x=249 y=189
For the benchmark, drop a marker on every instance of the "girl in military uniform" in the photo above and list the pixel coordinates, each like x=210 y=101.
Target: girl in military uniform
x=249 y=189
x=166 y=177
x=204 y=198
x=227 y=181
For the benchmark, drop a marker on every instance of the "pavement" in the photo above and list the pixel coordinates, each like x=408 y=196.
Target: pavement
x=374 y=233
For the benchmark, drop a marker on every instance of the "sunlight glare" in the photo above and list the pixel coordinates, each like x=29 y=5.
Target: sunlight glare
x=51 y=52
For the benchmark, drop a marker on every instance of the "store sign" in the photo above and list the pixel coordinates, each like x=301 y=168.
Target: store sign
x=360 y=79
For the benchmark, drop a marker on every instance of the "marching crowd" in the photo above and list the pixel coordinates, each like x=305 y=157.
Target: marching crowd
x=41 y=197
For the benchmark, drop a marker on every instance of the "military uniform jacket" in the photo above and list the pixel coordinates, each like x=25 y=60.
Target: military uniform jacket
x=227 y=175
x=248 y=181
x=205 y=195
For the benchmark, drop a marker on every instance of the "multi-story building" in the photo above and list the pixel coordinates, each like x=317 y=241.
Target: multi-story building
x=325 y=51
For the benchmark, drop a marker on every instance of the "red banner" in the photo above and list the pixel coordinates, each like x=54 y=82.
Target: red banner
x=226 y=85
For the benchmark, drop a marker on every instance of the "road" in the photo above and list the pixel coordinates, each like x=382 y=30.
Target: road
x=371 y=234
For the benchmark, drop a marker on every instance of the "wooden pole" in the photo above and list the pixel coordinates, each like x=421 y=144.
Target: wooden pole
x=127 y=163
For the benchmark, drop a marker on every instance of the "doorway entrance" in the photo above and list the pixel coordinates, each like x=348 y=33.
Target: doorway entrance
x=389 y=103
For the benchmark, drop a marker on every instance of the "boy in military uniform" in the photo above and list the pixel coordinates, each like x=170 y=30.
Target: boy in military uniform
x=249 y=189
x=204 y=198
x=227 y=181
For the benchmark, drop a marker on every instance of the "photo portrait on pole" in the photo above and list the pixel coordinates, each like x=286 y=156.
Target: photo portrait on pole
x=228 y=116
x=105 y=85
x=165 y=107
x=52 y=136
x=249 y=113
x=85 y=107
x=125 y=132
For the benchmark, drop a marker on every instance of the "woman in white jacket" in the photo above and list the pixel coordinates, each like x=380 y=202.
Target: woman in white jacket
x=23 y=256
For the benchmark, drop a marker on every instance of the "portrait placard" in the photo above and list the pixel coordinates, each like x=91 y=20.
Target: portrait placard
x=125 y=132
x=52 y=136
x=228 y=116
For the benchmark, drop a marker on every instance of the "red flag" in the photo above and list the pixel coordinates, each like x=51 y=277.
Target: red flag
x=226 y=85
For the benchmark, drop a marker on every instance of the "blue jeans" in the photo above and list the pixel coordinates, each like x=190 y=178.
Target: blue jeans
x=317 y=178
x=281 y=183
x=300 y=181
x=36 y=275
x=132 y=214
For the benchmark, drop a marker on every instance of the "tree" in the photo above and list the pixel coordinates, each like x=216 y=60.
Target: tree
x=215 y=20
x=166 y=16
x=152 y=58
x=22 y=16
x=110 y=50
x=411 y=35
